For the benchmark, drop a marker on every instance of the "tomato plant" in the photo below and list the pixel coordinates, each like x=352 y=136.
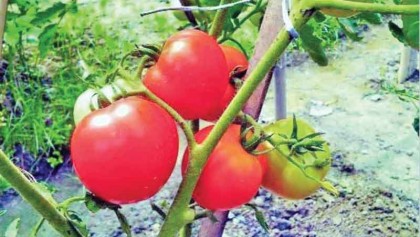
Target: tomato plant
x=231 y=176
x=125 y=152
x=286 y=179
x=236 y=62
x=191 y=74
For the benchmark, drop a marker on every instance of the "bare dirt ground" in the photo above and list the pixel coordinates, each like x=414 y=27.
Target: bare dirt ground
x=376 y=157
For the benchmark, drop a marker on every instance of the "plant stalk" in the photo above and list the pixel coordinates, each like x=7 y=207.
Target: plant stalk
x=29 y=192
x=362 y=7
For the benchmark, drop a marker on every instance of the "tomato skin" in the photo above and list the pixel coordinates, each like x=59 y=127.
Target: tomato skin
x=231 y=176
x=125 y=153
x=234 y=58
x=282 y=177
x=191 y=74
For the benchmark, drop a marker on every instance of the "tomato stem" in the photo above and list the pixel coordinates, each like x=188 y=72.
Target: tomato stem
x=362 y=7
x=219 y=20
x=47 y=207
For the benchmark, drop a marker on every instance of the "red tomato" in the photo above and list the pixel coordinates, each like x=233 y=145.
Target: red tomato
x=234 y=58
x=125 y=152
x=231 y=176
x=191 y=74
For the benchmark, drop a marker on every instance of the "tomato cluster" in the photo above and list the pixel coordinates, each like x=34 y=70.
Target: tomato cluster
x=126 y=151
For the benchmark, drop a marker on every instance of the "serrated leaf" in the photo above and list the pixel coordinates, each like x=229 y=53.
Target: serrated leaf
x=261 y=220
x=372 y=18
x=46 y=39
x=349 y=28
x=125 y=226
x=46 y=15
x=396 y=31
x=24 y=21
x=313 y=45
x=12 y=228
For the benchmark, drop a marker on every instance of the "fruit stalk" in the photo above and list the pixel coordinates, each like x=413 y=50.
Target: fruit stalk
x=29 y=192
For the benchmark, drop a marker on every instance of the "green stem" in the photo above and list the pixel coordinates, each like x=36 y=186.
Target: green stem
x=141 y=66
x=362 y=7
x=178 y=118
x=29 y=192
x=219 y=20
x=201 y=152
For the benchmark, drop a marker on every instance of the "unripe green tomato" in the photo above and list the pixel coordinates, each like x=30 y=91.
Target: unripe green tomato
x=343 y=13
x=281 y=176
x=82 y=106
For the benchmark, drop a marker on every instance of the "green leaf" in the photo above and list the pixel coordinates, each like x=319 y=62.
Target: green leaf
x=349 y=28
x=95 y=204
x=12 y=229
x=319 y=17
x=24 y=21
x=12 y=34
x=46 y=39
x=77 y=222
x=372 y=18
x=49 y=13
x=125 y=226
x=260 y=217
x=396 y=31
x=261 y=220
x=313 y=45
x=416 y=125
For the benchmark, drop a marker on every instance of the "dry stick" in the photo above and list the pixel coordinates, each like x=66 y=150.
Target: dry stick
x=188 y=14
x=271 y=25
x=272 y=20
x=3 y=11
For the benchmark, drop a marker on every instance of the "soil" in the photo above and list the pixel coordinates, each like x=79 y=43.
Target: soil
x=375 y=167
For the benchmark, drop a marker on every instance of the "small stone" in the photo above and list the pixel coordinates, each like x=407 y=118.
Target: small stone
x=375 y=97
x=319 y=109
x=259 y=201
x=336 y=220
x=284 y=225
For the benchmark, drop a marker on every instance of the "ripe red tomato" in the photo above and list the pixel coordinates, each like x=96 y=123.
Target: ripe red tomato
x=191 y=74
x=231 y=176
x=234 y=59
x=125 y=152
x=282 y=177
